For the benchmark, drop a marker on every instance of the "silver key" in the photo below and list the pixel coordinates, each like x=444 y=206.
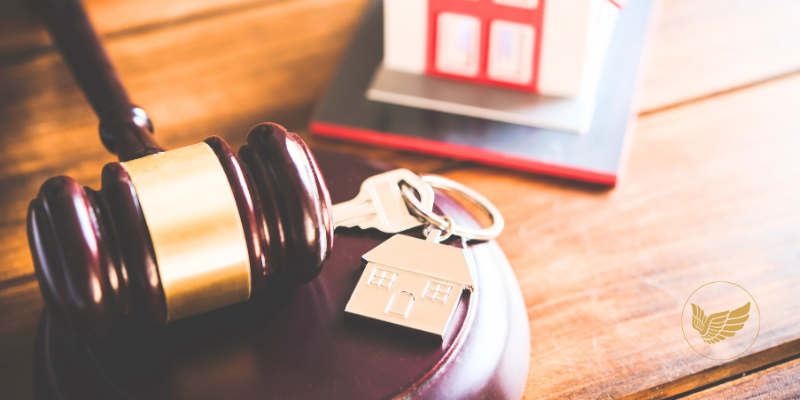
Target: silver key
x=380 y=203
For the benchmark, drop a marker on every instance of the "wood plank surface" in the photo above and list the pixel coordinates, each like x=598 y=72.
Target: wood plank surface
x=22 y=35
x=781 y=382
x=20 y=307
x=703 y=47
x=711 y=190
x=711 y=193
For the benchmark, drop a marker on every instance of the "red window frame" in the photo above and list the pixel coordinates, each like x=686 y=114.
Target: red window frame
x=485 y=11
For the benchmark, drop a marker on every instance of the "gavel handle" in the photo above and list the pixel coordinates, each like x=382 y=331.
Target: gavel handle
x=125 y=129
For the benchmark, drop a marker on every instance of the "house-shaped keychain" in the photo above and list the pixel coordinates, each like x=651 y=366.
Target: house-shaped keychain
x=411 y=286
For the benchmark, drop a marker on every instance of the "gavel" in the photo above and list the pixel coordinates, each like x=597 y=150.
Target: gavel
x=173 y=233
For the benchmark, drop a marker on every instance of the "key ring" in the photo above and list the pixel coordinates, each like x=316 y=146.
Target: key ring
x=429 y=229
x=448 y=225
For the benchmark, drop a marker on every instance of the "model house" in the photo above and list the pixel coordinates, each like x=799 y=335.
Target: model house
x=411 y=286
x=550 y=47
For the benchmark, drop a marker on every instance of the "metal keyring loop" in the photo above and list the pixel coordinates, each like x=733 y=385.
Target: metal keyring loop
x=447 y=185
x=448 y=231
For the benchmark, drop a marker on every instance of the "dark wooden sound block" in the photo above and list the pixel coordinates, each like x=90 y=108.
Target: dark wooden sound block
x=294 y=343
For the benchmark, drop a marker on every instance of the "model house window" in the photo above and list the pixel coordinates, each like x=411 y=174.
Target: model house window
x=437 y=291
x=382 y=278
x=458 y=44
x=511 y=52
x=518 y=3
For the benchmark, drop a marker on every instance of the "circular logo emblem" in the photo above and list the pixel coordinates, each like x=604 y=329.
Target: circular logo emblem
x=720 y=320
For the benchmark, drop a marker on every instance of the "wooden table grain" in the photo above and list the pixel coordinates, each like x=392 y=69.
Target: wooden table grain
x=711 y=192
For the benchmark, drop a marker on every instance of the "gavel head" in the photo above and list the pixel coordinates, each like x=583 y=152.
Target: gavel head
x=181 y=232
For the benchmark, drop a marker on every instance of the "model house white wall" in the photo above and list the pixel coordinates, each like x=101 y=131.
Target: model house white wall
x=574 y=40
x=405 y=35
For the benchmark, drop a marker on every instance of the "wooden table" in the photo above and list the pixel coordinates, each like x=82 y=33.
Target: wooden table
x=712 y=190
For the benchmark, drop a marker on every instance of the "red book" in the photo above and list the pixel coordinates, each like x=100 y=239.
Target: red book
x=595 y=156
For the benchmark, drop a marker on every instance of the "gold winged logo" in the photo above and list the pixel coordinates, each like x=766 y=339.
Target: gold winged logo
x=716 y=327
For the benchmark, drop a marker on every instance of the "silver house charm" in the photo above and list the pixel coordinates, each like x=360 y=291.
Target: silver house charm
x=411 y=286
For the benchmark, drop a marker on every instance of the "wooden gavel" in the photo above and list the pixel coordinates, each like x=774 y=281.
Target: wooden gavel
x=173 y=233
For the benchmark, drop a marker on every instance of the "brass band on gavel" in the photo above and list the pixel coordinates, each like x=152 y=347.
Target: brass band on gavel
x=195 y=228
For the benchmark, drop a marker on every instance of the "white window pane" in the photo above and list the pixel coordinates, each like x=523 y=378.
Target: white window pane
x=511 y=52
x=518 y=3
x=458 y=44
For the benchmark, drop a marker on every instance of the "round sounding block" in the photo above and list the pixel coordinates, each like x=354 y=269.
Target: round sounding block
x=294 y=342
